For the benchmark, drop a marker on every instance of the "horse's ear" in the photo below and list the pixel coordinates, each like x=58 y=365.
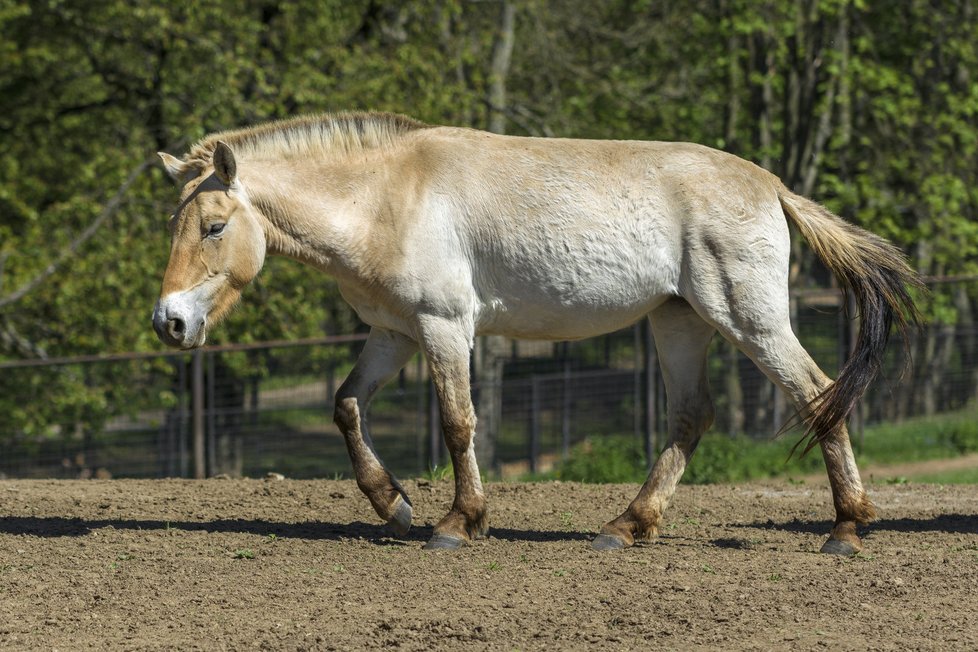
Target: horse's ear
x=224 y=166
x=176 y=168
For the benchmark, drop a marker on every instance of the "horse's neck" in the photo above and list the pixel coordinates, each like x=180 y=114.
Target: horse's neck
x=304 y=220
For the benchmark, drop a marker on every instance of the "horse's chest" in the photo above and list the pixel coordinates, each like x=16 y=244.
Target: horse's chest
x=376 y=307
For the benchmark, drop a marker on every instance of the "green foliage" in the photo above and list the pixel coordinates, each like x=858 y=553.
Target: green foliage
x=718 y=458
x=723 y=459
x=953 y=476
x=604 y=459
x=923 y=438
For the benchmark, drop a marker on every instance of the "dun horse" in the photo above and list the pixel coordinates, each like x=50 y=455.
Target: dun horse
x=438 y=234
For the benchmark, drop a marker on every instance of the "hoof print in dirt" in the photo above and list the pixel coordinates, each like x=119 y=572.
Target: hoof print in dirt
x=836 y=547
x=443 y=542
x=605 y=542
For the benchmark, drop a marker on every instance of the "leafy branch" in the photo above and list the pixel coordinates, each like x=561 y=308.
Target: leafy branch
x=108 y=210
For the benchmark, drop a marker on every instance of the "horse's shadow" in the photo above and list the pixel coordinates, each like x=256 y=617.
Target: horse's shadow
x=55 y=526
x=948 y=523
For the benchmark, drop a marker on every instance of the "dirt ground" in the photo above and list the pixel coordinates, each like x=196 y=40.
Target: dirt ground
x=304 y=565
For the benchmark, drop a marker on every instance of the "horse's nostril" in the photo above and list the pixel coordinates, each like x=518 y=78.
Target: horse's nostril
x=176 y=328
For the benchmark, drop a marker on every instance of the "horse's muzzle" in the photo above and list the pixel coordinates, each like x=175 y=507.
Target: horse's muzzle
x=175 y=326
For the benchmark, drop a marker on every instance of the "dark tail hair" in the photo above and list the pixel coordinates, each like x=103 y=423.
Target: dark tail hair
x=878 y=276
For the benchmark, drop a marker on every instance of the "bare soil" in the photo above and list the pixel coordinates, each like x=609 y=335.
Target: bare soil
x=303 y=565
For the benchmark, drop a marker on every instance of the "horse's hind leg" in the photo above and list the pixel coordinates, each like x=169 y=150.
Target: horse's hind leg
x=383 y=355
x=756 y=320
x=682 y=339
x=781 y=357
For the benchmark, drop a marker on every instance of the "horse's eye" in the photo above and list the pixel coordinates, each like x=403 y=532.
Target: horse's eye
x=216 y=229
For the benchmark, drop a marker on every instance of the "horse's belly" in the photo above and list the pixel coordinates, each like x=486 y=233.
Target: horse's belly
x=563 y=310
x=559 y=323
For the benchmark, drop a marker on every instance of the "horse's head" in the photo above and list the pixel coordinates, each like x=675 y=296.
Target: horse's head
x=218 y=247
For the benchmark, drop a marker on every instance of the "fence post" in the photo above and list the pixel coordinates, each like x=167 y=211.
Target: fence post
x=651 y=394
x=637 y=380
x=565 y=408
x=534 y=423
x=856 y=421
x=210 y=415
x=434 y=426
x=420 y=387
x=197 y=412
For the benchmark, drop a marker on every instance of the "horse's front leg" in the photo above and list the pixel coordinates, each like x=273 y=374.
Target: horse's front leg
x=383 y=355
x=447 y=348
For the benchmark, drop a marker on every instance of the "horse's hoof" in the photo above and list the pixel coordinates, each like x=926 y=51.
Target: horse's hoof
x=444 y=542
x=604 y=542
x=836 y=547
x=400 y=522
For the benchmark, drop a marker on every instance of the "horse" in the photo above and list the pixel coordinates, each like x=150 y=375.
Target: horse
x=437 y=234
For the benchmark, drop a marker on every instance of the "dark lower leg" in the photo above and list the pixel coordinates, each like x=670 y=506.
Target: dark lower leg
x=852 y=505
x=468 y=517
x=384 y=492
x=383 y=354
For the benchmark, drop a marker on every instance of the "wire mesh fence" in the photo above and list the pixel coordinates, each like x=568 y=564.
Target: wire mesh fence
x=249 y=410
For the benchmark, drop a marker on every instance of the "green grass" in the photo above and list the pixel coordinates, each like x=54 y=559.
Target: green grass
x=957 y=476
x=721 y=458
x=921 y=438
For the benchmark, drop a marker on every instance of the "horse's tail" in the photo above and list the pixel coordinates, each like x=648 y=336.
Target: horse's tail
x=878 y=275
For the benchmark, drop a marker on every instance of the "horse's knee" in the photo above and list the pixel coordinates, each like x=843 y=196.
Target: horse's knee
x=346 y=414
x=459 y=428
x=708 y=413
x=693 y=419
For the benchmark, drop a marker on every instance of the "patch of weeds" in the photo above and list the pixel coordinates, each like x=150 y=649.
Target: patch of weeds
x=493 y=566
x=775 y=577
x=691 y=521
x=861 y=556
x=338 y=568
x=899 y=479
x=524 y=559
x=968 y=547
x=566 y=518
x=244 y=553
x=918 y=616
x=437 y=473
x=124 y=557
x=671 y=526
x=271 y=537
x=709 y=569
x=560 y=572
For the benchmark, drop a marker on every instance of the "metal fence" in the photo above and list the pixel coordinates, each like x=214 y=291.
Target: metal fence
x=248 y=410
